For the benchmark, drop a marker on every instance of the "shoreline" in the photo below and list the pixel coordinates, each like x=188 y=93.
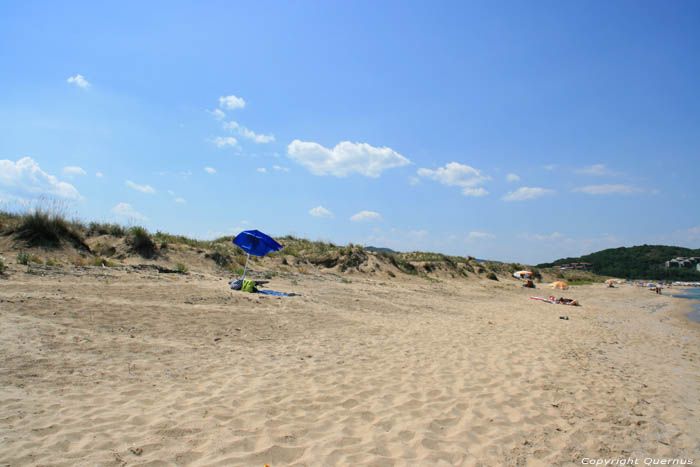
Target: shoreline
x=690 y=304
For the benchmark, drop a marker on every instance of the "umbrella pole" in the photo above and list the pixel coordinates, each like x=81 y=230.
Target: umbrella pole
x=246 y=265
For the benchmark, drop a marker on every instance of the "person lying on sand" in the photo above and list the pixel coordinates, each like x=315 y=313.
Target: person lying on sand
x=566 y=301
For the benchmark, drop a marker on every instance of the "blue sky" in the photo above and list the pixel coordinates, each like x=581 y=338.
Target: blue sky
x=516 y=131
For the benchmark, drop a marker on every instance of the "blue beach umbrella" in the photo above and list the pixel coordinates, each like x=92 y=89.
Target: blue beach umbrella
x=255 y=243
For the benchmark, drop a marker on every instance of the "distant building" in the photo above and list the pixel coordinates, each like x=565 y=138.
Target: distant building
x=682 y=262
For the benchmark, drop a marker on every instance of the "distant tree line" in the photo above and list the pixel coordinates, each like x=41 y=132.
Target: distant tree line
x=637 y=262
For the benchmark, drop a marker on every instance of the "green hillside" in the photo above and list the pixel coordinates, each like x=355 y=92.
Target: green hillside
x=637 y=262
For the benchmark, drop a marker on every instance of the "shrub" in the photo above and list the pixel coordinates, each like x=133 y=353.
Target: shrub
x=140 y=242
x=45 y=229
x=97 y=228
x=181 y=268
x=492 y=276
x=3 y=268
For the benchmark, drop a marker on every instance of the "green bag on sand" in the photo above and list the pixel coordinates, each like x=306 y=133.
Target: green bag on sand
x=248 y=286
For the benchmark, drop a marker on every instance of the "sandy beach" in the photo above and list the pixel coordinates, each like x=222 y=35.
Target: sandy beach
x=123 y=366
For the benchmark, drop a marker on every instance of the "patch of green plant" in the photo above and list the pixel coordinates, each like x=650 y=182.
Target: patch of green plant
x=402 y=265
x=270 y=275
x=53 y=262
x=294 y=282
x=431 y=279
x=345 y=281
x=23 y=258
x=391 y=274
x=3 y=267
x=581 y=282
x=181 y=268
x=99 y=261
x=492 y=275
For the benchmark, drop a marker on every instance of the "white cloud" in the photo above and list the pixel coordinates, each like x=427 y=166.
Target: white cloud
x=608 y=189
x=456 y=174
x=141 y=188
x=126 y=210
x=79 y=80
x=525 y=193
x=209 y=170
x=71 y=171
x=249 y=134
x=511 y=177
x=180 y=200
x=595 y=169
x=479 y=235
x=345 y=158
x=217 y=114
x=99 y=174
x=413 y=181
x=550 y=167
x=280 y=169
x=171 y=192
x=320 y=211
x=262 y=170
x=223 y=141
x=231 y=102
x=364 y=216
x=25 y=177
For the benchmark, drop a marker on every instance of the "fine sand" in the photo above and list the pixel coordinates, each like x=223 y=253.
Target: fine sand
x=111 y=366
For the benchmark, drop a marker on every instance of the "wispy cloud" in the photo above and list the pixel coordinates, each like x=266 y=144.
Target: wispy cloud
x=365 y=216
x=595 y=169
x=180 y=200
x=456 y=174
x=511 y=177
x=320 y=211
x=223 y=141
x=141 y=188
x=525 y=193
x=608 y=189
x=99 y=174
x=479 y=235
x=79 y=80
x=209 y=170
x=217 y=114
x=72 y=171
x=550 y=167
x=231 y=102
x=345 y=158
x=262 y=170
x=25 y=178
x=280 y=169
x=249 y=134
x=126 y=210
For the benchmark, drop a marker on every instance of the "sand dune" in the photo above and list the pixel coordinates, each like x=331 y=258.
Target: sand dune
x=109 y=367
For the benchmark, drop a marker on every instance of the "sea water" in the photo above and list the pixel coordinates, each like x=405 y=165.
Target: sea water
x=692 y=294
